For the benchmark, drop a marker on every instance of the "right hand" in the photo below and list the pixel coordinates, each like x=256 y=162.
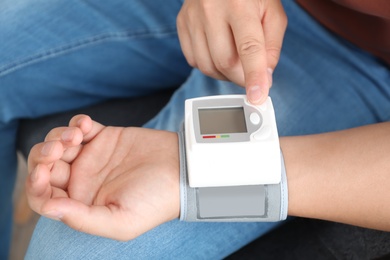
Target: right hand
x=234 y=40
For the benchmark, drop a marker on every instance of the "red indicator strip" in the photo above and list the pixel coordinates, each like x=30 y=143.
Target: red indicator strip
x=215 y=136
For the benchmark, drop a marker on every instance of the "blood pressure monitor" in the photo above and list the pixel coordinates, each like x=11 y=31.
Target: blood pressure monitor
x=231 y=166
x=231 y=142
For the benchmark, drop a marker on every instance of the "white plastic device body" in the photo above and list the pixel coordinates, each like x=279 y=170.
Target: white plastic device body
x=230 y=142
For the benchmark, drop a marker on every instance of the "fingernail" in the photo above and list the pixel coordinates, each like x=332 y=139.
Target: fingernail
x=54 y=214
x=47 y=148
x=255 y=94
x=270 y=71
x=67 y=135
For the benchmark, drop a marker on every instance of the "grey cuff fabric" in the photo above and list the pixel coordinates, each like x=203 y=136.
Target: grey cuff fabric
x=261 y=203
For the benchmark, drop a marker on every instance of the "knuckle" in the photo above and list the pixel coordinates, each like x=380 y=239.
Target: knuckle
x=211 y=71
x=280 y=14
x=207 y=69
x=191 y=61
x=187 y=52
x=208 y=10
x=238 y=7
x=225 y=64
x=180 y=23
x=206 y=5
x=35 y=149
x=191 y=15
x=281 y=22
x=273 y=54
x=79 y=226
x=250 y=47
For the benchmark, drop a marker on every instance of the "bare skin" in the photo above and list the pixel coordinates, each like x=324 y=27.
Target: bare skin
x=88 y=174
x=121 y=182
x=234 y=40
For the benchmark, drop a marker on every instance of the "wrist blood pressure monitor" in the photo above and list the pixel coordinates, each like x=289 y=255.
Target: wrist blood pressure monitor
x=231 y=165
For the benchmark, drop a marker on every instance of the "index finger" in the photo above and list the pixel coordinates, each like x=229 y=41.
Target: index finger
x=250 y=43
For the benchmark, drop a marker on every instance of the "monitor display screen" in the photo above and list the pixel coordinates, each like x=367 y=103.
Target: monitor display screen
x=222 y=120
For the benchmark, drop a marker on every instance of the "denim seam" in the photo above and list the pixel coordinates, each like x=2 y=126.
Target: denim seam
x=67 y=48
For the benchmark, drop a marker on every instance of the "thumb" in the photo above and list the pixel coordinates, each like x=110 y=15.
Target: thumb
x=94 y=220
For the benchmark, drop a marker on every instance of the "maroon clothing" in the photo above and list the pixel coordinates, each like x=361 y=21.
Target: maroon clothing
x=365 y=23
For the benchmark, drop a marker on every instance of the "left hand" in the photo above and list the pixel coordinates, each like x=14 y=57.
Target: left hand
x=114 y=182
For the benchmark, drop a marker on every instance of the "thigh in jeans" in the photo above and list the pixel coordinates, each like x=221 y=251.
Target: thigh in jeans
x=60 y=55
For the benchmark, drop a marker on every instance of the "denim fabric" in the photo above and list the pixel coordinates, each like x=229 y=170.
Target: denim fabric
x=59 y=55
x=67 y=54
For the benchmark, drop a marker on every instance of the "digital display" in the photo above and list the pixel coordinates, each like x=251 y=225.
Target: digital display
x=222 y=120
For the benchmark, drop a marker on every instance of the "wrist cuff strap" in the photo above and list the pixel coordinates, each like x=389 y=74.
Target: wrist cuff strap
x=261 y=203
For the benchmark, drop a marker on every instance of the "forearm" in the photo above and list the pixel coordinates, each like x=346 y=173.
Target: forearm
x=341 y=176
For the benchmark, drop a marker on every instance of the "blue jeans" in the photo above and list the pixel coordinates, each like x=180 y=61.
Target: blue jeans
x=60 y=55
x=67 y=54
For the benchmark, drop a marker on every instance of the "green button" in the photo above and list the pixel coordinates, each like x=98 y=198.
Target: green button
x=225 y=136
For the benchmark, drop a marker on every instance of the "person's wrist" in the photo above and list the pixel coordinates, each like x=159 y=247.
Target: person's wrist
x=173 y=177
